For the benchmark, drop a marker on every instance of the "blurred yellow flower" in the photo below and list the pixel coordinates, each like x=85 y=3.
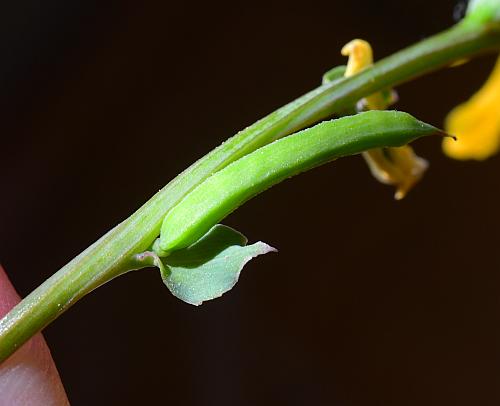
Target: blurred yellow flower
x=400 y=167
x=476 y=123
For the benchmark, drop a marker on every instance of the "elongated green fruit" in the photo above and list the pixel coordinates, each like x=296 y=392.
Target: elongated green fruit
x=227 y=189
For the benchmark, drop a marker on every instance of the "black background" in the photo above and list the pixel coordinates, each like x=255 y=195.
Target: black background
x=369 y=301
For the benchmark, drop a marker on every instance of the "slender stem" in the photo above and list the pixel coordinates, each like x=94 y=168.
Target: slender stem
x=112 y=255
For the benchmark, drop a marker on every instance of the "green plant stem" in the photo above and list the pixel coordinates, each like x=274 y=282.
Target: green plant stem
x=113 y=254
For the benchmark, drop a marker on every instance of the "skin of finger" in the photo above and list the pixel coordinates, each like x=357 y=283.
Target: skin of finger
x=29 y=377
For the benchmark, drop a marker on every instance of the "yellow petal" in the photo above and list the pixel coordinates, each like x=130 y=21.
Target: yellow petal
x=399 y=167
x=361 y=57
x=476 y=123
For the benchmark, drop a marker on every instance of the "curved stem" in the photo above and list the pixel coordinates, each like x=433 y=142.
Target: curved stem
x=112 y=255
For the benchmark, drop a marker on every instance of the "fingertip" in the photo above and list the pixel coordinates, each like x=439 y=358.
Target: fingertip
x=29 y=376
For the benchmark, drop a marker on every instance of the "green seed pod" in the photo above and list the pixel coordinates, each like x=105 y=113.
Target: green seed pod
x=230 y=187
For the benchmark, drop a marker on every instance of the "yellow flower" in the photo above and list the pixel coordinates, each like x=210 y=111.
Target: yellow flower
x=476 y=123
x=361 y=57
x=400 y=167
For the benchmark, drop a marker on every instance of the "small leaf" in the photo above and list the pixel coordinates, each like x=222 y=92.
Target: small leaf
x=208 y=268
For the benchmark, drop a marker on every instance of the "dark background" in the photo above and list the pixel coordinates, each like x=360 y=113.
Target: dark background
x=369 y=301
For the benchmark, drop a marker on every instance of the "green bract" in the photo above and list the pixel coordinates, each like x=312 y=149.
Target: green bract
x=208 y=268
x=334 y=74
x=227 y=189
